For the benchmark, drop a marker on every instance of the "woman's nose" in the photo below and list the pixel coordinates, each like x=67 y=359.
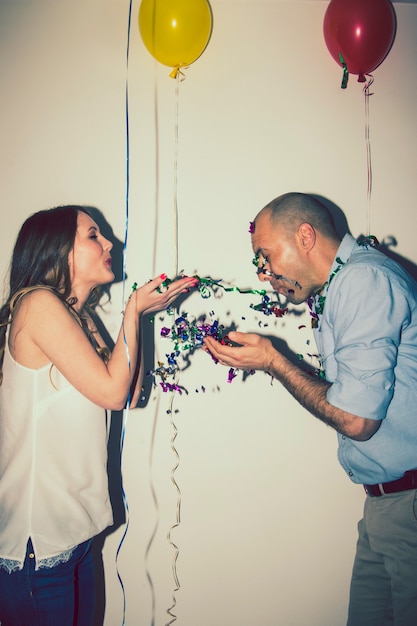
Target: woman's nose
x=108 y=245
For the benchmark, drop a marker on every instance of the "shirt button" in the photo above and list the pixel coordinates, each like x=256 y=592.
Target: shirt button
x=350 y=473
x=31 y=555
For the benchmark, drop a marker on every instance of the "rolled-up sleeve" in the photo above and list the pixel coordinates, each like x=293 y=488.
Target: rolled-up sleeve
x=366 y=312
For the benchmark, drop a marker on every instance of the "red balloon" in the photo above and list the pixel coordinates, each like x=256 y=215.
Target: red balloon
x=361 y=31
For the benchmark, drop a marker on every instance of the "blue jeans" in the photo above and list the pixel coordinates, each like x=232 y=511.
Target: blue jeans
x=57 y=596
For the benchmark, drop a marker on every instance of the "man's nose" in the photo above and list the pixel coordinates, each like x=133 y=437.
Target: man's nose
x=264 y=278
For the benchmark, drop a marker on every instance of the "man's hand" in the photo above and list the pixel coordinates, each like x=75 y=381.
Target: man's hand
x=249 y=352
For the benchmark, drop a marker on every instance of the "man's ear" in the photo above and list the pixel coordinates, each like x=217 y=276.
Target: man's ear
x=307 y=236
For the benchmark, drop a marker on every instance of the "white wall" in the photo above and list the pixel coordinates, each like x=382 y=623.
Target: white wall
x=267 y=518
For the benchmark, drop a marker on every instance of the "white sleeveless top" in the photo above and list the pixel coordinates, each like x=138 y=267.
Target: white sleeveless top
x=53 y=465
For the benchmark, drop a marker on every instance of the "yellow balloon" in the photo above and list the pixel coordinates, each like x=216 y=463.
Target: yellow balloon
x=175 y=32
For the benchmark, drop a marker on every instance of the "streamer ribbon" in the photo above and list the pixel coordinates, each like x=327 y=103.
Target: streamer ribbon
x=345 y=76
x=126 y=411
x=206 y=282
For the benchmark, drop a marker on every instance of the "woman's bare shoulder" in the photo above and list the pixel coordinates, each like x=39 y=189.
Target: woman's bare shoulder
x=40 y=300
x=36 y=314
x=40 y=293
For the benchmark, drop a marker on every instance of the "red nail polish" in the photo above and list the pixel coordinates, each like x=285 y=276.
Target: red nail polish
x=163 y=276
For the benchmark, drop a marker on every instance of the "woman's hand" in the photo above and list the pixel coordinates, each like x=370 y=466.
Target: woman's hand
x=155 y=296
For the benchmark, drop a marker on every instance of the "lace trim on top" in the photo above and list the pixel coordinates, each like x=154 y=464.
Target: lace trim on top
x=11 y=565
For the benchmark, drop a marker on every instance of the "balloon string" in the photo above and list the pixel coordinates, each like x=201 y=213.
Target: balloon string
x=156 y=213
x=178 y=75
x=177 y=517
x=368 y=152
x=125 y=412
x=126 y=506
x=155 y=420
x=127 y=151
x=176 y=133
x=155 y=246
x=156 y=505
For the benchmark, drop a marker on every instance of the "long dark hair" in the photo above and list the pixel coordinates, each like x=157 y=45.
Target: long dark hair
x=40 y=260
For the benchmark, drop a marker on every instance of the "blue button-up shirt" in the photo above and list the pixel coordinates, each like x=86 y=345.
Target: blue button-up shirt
x=367 y=341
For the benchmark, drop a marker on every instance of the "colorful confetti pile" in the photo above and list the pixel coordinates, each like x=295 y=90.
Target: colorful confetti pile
x=187 y=335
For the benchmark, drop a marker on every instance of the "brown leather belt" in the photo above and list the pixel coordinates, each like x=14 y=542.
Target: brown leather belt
x=405 y=483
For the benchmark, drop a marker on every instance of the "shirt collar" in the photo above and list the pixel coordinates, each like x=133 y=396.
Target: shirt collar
x=347 y=246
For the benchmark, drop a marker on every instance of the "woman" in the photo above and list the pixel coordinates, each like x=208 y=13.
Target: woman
x=57 y=376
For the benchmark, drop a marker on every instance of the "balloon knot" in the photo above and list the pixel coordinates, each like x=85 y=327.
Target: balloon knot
x=178 y=73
